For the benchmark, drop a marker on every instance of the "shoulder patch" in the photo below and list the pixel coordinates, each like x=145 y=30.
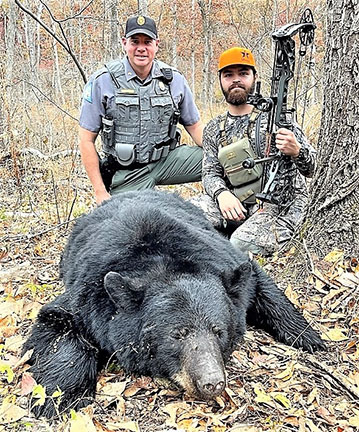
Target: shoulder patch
x=87 y=94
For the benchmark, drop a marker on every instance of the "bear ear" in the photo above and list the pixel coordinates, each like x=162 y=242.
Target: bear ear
x=122 y=291
x=235 y=280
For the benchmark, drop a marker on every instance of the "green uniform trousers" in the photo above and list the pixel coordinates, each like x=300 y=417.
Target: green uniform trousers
x=182 y=165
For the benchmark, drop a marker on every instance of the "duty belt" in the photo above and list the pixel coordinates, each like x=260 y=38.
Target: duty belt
x=162 y=151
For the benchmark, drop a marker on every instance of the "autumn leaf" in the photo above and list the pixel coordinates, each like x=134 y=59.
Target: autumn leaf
x=262 y=397
x=334 y=256
x=282 y=399
x=139 y=384
x=114 y=389
x=7 y=308
x=171 y=409
x=332 y=293
x=219 y=429
x=287 y=373
x=57 y=393
x=5 y=368
x=312 y=426
x=354 y=421
x=39 y=392
x=14 y=343
x=354 y=378
x=188 y=424
x=335 y=335
x=81 y=423
x=326 y=415
x=10 y=413
x=27 y=384
x=312 y=395
x=350 y=280
x=292 y=295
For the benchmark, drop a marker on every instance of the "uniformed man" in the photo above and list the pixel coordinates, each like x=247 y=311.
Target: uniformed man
x=136 y=103
x=231 y=190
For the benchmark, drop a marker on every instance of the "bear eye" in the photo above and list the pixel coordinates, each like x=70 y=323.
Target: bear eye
x=181 y=333
x=217 y=331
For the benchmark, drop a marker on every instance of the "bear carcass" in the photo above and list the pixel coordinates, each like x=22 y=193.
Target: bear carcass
x=150 y=284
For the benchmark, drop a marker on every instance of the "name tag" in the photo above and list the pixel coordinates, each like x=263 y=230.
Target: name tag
x=127 y=91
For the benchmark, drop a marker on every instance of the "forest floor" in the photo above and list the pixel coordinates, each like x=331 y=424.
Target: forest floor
x=271 y=387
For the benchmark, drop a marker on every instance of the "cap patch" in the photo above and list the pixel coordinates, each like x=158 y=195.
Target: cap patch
x=141 y=20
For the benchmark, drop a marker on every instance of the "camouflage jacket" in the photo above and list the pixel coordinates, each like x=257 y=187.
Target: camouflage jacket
x=213 y=176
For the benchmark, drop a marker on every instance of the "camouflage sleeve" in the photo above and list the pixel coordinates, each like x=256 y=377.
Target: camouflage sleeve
x=212 y=171
x=306 y=160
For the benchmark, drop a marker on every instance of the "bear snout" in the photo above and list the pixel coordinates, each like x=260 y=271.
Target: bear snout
x=211 y=385
x=202 y=373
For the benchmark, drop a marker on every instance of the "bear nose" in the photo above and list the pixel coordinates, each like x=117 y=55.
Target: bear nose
x=211 y=387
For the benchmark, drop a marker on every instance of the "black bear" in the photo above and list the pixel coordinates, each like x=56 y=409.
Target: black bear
x=150 y=284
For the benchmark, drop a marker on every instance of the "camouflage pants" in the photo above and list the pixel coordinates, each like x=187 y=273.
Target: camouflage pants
x=264 y=231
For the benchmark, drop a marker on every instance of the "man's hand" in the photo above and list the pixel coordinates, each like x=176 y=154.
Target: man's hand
x=230 y=206
x=286 y=142
x=101 y=196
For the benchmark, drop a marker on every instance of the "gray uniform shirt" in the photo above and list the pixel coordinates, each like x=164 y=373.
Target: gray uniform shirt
x=98 y=96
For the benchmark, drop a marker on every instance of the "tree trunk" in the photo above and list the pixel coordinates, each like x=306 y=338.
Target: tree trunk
x=206 y=10
x=173 y=9
x=142 y=7
x=193 y=52
x=57 y=73
x=115 y=45
x=333 y=216
x=10 y=41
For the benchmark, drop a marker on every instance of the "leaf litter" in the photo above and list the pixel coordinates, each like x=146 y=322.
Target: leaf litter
x=270 y=387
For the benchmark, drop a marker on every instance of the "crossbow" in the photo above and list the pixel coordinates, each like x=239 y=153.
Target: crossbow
x=278 y=188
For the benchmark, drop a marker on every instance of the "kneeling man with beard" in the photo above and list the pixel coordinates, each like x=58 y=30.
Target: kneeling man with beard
x=231 y=190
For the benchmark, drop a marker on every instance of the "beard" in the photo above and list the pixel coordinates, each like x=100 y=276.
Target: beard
x=237 y=95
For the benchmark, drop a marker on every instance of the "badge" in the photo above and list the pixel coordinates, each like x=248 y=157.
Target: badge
x=141 y=20
x=231 y=155
x=87 y=94
x=127 y=91
x=162 y=86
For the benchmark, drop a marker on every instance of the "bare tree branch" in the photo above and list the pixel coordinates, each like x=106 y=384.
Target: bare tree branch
x=66 y=46
x=76 y=15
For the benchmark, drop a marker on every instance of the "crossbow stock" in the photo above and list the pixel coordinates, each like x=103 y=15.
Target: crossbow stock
x=278 y=188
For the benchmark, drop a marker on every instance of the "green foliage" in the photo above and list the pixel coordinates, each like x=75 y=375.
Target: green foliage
x=80 y=209
x=4 y=368
x=3 y=215
x=36 y=289
x=39 y=393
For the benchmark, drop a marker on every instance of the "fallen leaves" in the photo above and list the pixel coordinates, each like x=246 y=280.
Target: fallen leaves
x=81 y=422
x=271 y=387
x=5 y=368
x=10 y=413
x=335 y=335
x=354 y=420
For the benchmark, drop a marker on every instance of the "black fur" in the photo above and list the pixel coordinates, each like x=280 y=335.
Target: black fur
x=151 y=284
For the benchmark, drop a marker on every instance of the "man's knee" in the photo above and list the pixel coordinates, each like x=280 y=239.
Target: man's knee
x=209 y=208
x=264 y=244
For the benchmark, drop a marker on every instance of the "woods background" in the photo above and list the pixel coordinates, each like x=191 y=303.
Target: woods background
x=42 y=85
